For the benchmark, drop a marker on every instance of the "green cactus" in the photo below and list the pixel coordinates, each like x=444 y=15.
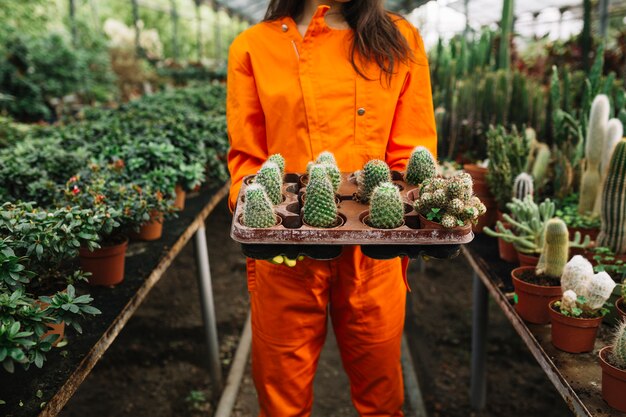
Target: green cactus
x=618 y=353
x=506 y=25
x=269 y=177
x=386 y=207
x=541 y=165
x=374 y=173
x=320 y=209
x=523 y=186
x=278 y=160
x=596 y=134
x=555 y=250
x=326 y=158
x=334 y=175
x=615 y=131
x=613 y=216
x=420 y=167
x=257 y=209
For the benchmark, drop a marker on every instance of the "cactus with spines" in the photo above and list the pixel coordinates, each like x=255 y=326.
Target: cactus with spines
x=386 y=207
x=523 y=186
x=555 y=249
x=596 y=134
x=374 y=173
x=258 y=210
x=541 y=164
x=278 y=160
x=576 y=274
x=614 y=134
x=613 y=216
x=326 y=158
x=320 y=209
x=270 y=178
x=618 y=351
x=421 y=166
x=452 y=199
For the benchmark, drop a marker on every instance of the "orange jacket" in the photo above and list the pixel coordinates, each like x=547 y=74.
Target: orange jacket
x=300 y=96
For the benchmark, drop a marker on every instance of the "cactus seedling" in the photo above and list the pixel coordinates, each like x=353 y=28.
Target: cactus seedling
x=523 y=186
x=555 y=250
x=613 y=226
x=374 y=173
x=278 y=160
x=320 y=209
x=421 y=166
x=270 y=178
x=618 y=354
x=257 y=209
x=386 y=207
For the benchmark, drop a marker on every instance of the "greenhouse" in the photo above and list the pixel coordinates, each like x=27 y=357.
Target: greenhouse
x=323 y=208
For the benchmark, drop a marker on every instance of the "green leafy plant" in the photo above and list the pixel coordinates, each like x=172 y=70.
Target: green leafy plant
x=568 y=211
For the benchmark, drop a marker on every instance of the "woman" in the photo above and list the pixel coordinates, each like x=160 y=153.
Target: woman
x=347 y=77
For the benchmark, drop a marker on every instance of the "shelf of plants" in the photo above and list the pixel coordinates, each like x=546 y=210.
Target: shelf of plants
x=74 y=193
x=578 y=378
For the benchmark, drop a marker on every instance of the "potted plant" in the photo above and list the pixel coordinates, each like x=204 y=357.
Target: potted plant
x=536 y=287
x=579 y=313
x=613 y=363
x=604 y=260
x=508 y=156
x=587 y=224
x=386 y=207
x=522 y=186
x=446 y=203
x=320 y=209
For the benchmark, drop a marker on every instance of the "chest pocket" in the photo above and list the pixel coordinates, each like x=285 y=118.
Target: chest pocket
x=375 y=104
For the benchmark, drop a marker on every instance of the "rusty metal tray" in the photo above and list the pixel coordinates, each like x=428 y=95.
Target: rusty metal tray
x=291 y=237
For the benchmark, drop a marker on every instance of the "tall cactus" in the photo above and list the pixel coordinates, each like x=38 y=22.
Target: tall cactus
x=506 y=26
x=613 y=215
x=320 y=209
x=619 y=347
x=374 y=173
x=386 y=207
x=555 y=250
x=596 y=134
x=421 y=166
x=257 y=209
x=541 y=164
x=615 y=131
x=523 y=186
x=279 y=160
x=576 y=274
x=270 y=178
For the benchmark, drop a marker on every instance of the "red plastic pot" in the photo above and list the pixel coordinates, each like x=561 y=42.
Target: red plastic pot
x=592 y=233
x=58 y=328
x=479 y=178
x=181 y=195
x=613 y=382
x=152 y=229
x=533 y=300
x=572 y=334
x=106 y=264
x=507 y=250
x=527 y=260
x=620 y=306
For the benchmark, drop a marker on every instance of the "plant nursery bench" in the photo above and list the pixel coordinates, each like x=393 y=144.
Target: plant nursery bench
x=576 y=377
x=45 y=391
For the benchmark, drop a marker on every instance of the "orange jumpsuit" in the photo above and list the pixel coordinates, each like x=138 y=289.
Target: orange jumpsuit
x=299 y=96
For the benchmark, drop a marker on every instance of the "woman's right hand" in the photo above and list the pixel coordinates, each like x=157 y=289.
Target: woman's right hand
x=283 y=260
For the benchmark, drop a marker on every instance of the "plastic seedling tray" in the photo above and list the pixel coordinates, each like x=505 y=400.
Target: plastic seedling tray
x=292 y=237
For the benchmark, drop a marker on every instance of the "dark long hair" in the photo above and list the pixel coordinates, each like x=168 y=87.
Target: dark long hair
x=376 y=36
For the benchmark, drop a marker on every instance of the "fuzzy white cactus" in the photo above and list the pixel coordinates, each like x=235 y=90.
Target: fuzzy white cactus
x=597 y=291
x=568 y=301
x=578 y=280
x=575 y=274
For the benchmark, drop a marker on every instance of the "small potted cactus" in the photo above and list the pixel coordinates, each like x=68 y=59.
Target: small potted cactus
x=326 y=159
x=577 y=316
x=271 y=178
x=537 y=286
x=258 y=210
x=446 y=203
x=421 y=166
x=386 y=207
x=320 y=209
x=374 y=173
x=279 y=160
x=613 y=363
x=522 y=186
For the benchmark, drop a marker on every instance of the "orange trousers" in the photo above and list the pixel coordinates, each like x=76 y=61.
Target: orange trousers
x=366 y=301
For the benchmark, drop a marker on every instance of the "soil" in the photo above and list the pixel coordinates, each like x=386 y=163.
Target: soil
x=542 y=280
x=157 y=366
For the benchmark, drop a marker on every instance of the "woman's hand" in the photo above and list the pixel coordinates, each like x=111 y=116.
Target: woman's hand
x=281 y=259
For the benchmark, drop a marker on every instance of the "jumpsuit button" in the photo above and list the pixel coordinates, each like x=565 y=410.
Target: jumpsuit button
x=361 y=111
x=285 y=27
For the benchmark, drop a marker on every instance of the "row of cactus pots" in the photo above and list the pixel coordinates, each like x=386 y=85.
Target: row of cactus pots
x=106 y=264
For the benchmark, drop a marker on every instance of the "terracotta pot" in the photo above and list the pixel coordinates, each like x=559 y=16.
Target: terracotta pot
x=500 y=216
x=613 y=382
x=487 y=219
x=527 y=260
x=592 y=233
x=58 y=329
x=152 y=229
x=620 y=307
x=478 y=173
x=507 y=250
x=533 y=300
x=428 y=224
x=106 y=264
x=571 y=334
x=181 y=195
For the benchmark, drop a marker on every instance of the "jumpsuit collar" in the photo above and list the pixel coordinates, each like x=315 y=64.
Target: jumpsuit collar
x=316 y=26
